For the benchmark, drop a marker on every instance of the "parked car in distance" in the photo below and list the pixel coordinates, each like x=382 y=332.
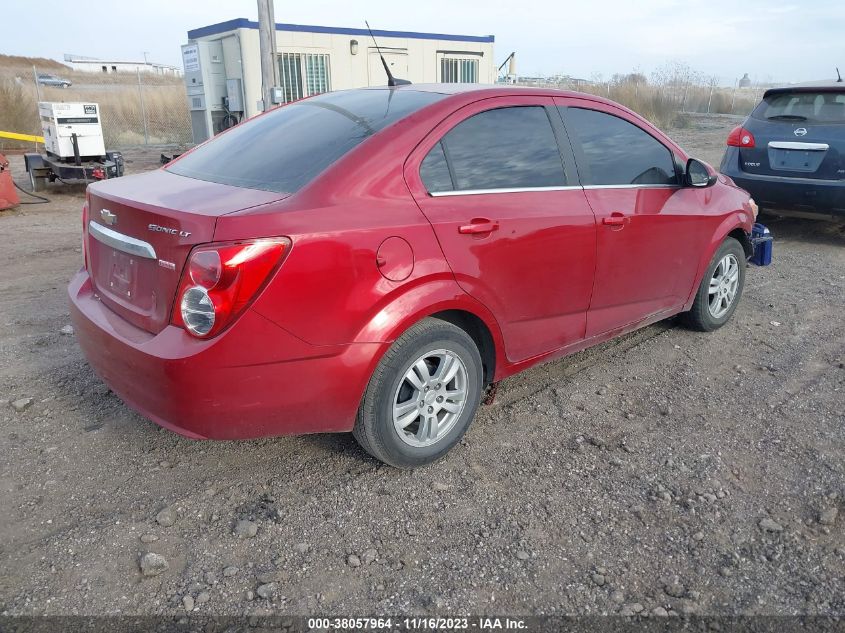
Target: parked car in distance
x=371 y=260
x=789 y=153
x=51 y=80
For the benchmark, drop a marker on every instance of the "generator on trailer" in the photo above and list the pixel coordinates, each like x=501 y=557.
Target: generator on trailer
x=73 y=140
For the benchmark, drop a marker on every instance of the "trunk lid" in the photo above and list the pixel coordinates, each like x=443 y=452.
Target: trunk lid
x=140 y=231
x=795 y=150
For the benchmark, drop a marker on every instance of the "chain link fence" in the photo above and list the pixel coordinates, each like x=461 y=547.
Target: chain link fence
x=671 y=92
x=142 y=109
x=137 y=109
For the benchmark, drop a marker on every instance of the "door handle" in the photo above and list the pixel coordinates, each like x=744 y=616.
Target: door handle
x=614 y=219
x=478 y=226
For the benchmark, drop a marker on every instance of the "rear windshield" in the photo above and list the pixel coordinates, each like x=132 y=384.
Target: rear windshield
x=813 y=107
x=285 y=149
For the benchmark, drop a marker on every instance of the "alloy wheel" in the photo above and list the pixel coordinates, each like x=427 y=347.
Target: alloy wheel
x=430 y=398
x=723 y=286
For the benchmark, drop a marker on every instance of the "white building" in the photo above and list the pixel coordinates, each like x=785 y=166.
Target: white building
x=94 y=65
x=223 y=69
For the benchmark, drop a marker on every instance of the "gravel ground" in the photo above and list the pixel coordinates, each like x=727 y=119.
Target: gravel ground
x=663 y=472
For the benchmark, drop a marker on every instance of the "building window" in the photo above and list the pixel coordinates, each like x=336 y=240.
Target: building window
x=290 y=74
x=114 y=69
x=105 y=69
x=456 y=70
x=317 y=73
x=303 y=75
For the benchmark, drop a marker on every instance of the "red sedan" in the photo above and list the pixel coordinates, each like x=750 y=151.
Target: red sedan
x=371 y=260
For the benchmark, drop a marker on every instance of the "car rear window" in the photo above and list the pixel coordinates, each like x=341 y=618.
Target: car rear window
x=288 y=147
x=813 y=107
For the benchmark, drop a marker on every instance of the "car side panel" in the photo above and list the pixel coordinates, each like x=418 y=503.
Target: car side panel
x=331 y=287
x=647 y=265
x=643 y=264
x=534 y=273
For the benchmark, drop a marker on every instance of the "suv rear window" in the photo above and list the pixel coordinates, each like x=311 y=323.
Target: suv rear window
x=813 y=107
x=288 y=147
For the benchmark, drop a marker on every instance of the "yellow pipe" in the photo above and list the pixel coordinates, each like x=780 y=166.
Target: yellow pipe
x=22 y=137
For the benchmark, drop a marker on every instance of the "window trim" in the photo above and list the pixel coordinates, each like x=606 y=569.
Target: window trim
x=584 y=171
x=476 y=192
x=459 y=53
x=565 y=162
x=632 y=186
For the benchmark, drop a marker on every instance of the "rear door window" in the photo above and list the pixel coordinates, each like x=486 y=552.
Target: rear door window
x=618 y=152
x=285 y=149
x=505 y=148
x=812 y=107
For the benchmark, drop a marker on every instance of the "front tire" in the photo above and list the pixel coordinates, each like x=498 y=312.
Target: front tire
x=422 y=397
x=720 y=288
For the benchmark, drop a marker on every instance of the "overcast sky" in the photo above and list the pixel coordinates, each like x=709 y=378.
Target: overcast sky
x=772 y=40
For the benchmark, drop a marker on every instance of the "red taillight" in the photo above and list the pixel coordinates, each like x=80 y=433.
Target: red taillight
x=99 y=173
x=221 y=280
x=205 y=268
x=740 y=137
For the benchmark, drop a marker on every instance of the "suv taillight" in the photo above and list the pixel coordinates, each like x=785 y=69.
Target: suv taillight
x=220 y=280
x=740 y=137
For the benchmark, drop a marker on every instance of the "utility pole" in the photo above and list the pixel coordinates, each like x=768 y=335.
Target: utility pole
x=267 y=45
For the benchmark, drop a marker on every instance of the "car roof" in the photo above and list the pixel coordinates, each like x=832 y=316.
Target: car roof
x=825 y=85
x=490 y=90
x=462 y=88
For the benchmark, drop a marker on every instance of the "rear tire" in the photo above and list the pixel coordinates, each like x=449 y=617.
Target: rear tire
x=422 y=397
x=720 y=289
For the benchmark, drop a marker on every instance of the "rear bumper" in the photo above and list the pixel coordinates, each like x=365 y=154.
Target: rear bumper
x=253 y=380
x=811 y=195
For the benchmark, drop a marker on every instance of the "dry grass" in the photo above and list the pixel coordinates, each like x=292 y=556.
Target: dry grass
x=119 y=95
x=17 y=111
x=672 y=92
x=20 y=64
x=649 y=103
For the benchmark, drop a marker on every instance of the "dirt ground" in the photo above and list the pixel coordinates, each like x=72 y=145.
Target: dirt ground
x=664 y=472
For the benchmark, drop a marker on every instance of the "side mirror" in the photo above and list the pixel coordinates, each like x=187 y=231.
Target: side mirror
x=697 y=174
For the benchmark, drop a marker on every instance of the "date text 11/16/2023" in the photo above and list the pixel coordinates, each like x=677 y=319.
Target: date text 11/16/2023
x=481 y=623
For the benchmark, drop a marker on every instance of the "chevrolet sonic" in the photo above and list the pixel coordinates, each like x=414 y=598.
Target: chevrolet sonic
x=372 y=260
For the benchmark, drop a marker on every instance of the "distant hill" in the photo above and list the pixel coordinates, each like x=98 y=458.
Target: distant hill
x=19 y=64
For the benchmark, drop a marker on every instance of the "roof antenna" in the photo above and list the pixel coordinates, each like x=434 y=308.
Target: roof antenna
x=391 y=80
x=839 y=81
